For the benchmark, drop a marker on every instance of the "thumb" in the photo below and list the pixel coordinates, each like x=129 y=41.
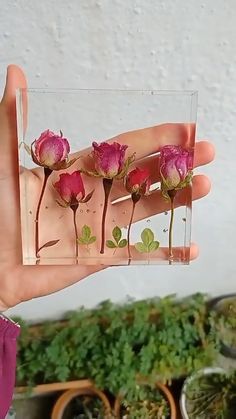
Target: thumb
x=9 y=170
x=15 y=79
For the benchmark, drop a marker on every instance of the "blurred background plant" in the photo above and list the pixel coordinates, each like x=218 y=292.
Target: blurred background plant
x=115 y=345
x=211 y=395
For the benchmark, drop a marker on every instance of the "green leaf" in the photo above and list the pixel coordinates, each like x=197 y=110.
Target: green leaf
x=86 y=232
x=122 y=243
x=153 y=246
x=111 y=244
x=92 y=240
x=81 y=240
x=116 y=233
x=140 y=247
x=147 y=236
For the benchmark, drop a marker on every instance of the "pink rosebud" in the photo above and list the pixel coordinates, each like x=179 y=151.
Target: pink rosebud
x=70 y=188
x=109 y=159
x=50 y=150
x=176 y=165
x=138 y=181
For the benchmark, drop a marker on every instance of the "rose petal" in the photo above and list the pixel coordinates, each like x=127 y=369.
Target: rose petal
x=70 y=187
x=138 y=180
x=51 y=152
x=51 y=149
x=109 y=158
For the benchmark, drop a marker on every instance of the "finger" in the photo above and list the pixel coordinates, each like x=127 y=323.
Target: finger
x=155 y=203
x=10 y=237
x=146 y=141
x=204 y=154
x=8 y=129
x=180 y=254
x=15 y=80
x=38 y=281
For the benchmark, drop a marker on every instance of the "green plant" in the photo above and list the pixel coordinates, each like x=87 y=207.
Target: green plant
x=145 y=403
x=115 y=345
x=226 y=321
x=84 y=407
x=118 y=242
x=148 y=244
x=86 y=237
x=212 y=396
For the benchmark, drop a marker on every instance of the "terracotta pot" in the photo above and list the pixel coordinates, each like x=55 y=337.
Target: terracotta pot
x=52 y=387
x=64 y=400
x=163 y=389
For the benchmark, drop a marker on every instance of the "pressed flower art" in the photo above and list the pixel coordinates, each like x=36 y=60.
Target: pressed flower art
x=109 y=176
x=137 y=183
x=176 y=164
x=110 y=162
x=51 y=152
x=70 y=188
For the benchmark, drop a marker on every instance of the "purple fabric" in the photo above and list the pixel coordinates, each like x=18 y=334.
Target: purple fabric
x=8 y=334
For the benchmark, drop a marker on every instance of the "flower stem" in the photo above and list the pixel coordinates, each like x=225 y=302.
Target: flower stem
x=135 y=198
x=171 y=194
x=74 y=209
x=128 y=233
x=47 y=173
x=107 y=184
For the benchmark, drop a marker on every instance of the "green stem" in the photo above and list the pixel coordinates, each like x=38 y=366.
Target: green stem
x=107 y=184
x=128 y=233
x=135 y=198
x=74 y=209
x=47 y=173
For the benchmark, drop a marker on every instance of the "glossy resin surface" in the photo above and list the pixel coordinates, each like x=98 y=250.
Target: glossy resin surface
x=87 y=201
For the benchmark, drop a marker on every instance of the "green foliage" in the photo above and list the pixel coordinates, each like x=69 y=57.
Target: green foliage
x=225 y=312
x=114 y=345
x=212 y=396
x=148 y=244
x=85 y=407
x=146 y=403
x=118 y=241
x=86 y=237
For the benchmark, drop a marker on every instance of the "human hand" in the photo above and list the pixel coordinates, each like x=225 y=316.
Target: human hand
x=19 y=283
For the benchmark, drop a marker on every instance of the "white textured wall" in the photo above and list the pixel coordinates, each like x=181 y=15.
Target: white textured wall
x=162 y=44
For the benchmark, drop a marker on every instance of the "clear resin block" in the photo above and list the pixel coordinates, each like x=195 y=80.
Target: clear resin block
x=108 y=177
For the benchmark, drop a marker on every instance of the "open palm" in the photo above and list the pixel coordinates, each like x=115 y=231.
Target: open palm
x=19 y=283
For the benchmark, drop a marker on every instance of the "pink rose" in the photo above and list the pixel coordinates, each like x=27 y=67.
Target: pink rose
x=138 y=181
x=51 y=151
x=109 y=159
x=70 y=188
x=176 y=165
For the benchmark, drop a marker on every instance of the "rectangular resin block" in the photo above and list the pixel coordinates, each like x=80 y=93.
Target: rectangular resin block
x=88 y=201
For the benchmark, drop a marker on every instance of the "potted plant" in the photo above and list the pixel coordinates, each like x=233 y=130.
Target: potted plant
x=225 y=311
x=156 y=339
x=209 y=394
x=146 y=403
x=84 y=403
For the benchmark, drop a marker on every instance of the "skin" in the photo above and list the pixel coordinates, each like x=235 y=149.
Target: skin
x=20 y=283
